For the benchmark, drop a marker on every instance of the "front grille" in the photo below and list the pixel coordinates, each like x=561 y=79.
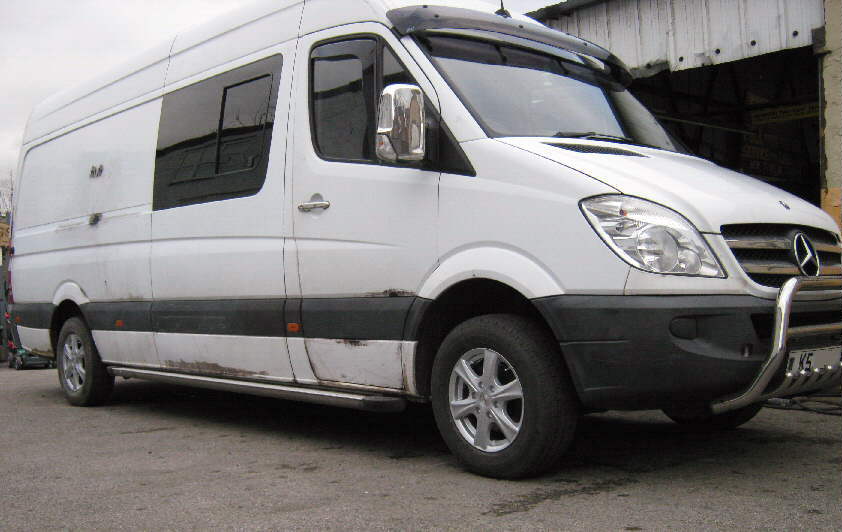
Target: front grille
x=765 y=251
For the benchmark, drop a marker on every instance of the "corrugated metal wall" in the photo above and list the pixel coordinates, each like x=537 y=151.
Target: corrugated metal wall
x=651 y=35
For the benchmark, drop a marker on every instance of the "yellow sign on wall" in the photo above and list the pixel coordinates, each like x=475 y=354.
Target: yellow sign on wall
x=783 y=113
x=5 y=234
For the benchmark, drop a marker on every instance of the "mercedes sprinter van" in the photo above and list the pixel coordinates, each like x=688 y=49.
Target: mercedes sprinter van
x=367 y=202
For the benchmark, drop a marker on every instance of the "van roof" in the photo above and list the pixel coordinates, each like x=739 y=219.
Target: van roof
x=144 y=76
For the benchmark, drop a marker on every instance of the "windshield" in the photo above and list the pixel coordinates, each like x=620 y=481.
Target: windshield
x=515 y=92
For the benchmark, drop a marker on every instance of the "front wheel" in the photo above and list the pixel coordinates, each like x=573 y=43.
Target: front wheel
x=83 y=376
x=502 y=398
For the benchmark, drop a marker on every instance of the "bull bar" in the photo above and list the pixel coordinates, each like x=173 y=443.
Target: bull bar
x=797 y=382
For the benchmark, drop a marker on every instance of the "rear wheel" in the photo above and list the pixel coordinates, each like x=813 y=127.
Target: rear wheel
x=501 y=397
x=82 y=374
x=700 y=416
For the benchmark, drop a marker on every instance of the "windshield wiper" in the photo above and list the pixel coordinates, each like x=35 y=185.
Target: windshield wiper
x=593 y=135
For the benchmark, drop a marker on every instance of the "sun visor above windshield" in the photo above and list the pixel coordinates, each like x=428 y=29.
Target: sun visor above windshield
x=420 y=19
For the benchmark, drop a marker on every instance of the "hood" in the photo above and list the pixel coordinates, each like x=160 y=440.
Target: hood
x=708 y=195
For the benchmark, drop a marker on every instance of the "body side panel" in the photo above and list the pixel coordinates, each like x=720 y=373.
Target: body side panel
x=370 y=362
x=92 y=232
x=126 y=347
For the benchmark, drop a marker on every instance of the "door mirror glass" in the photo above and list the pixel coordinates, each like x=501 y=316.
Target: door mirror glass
x=400 y=124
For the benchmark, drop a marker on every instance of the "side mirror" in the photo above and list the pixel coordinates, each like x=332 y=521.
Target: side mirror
x=400 y=124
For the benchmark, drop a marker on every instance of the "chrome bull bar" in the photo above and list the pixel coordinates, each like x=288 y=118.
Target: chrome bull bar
x=792 y=383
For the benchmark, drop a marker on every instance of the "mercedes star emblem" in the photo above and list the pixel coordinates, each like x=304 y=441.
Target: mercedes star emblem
x=805 y=256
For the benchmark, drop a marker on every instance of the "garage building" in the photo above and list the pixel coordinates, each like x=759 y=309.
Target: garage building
x=754 y=85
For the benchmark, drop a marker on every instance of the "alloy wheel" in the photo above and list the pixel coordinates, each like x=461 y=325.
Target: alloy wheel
x=73 y=362
x=486 y=400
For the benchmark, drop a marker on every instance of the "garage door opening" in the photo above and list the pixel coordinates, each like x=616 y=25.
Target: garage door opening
x=758 y=116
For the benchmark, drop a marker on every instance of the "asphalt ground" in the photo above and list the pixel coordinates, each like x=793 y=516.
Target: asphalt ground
x=164 y=457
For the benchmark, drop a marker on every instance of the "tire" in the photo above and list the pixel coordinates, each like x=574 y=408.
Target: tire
x=81 y=373
x=700 y=417
x=528 y=430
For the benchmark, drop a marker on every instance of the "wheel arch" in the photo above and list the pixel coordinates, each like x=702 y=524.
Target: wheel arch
x=464 y=300
x=70 y=291
x=509 y=267
x=65 y=310
x=67 y=300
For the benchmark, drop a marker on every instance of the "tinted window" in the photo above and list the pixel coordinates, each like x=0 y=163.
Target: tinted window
x=343 y=98
x=214 y=136
x=244 y=118
x=347 y=78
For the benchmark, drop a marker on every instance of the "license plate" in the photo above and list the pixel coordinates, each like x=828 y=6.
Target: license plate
x=810 y=359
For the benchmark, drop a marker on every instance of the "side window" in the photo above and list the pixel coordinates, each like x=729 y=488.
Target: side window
x=345 y=84
x=343 y=88
x=214 y=136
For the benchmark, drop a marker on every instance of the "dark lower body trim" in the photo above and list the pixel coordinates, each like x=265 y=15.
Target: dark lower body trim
x=33 y=315
x=358 y=318
x=636 y=352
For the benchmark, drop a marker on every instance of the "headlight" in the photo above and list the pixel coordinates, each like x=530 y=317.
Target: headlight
x=650 y=237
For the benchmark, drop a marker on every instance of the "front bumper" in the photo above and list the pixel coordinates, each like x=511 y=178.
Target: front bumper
x=641 y=352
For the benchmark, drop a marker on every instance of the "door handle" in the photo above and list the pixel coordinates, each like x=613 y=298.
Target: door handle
x=311 y=205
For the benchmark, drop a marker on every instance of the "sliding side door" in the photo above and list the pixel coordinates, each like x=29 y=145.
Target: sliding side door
x=217 y=221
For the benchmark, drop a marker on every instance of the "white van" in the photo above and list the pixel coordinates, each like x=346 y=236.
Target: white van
x=364 y=202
